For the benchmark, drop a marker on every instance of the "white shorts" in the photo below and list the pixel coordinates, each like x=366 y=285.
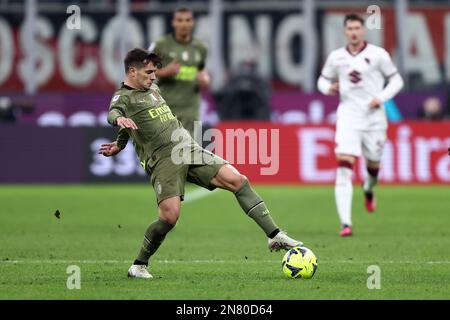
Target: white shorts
x=360 y=142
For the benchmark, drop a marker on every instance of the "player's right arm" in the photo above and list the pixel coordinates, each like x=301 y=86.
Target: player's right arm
x=327 y=83
x=170 y=68
x=116 y=114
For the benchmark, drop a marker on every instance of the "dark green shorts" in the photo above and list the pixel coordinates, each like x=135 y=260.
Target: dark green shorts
x=168 y=178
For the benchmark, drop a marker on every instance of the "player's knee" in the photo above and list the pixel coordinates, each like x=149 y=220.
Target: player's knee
x=344 y=173
x=170 y=217
x=169 y=212
x=230 y=178
x=345 y=164
x=345 y=158
x=372 y=164
x=238 y=181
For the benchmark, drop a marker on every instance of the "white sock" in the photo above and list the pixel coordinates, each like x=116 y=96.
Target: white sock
x=370 y=182
x=343 y=191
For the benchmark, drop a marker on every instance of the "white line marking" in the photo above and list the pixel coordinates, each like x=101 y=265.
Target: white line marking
x=197 y=194
x=243 y=261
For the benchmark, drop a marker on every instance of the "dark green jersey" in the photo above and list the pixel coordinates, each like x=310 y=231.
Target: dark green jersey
x=182 y=91
x=153 y=117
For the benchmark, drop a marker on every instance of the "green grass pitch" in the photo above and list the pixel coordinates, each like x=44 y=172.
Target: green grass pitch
x=215 y=251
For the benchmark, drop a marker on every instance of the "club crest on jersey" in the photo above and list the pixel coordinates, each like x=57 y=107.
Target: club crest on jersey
x=115 y=98
x=185 y=56
x=355 y=76
x=367 y=60
x=153 y=98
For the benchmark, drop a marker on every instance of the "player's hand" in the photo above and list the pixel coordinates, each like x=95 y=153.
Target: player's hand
x=126 y=123
x=375 y=103
x=173 y=68
x=203 y=79
x=334 y=89
x=109 y=149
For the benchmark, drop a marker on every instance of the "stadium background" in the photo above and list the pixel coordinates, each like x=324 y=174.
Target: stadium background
x=60 y=77
x=55 y=88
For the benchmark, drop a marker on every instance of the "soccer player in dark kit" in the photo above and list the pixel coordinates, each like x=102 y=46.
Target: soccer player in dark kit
x=143 y=115
x=183 y=72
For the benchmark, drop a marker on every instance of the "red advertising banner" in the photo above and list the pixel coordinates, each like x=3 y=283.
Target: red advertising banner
x=88 y=59
x=416 y=152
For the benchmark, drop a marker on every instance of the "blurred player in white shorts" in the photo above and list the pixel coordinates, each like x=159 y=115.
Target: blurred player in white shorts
x=358 y=72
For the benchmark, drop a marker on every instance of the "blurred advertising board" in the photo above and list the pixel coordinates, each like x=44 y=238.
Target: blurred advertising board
x=87 y=59
x=416 y=152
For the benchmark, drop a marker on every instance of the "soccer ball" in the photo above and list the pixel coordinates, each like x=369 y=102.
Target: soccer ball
x=299 y=262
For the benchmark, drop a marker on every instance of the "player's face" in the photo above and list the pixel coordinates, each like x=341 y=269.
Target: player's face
x=354 y=31
x=146 y=75
x=183 y=23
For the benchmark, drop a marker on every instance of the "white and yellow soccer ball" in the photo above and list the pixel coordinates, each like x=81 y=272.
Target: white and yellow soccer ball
x=299 y=263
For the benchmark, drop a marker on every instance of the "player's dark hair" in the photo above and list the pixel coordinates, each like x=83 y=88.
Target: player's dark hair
x=139 y=58
x=182 y=9
x=353 y=17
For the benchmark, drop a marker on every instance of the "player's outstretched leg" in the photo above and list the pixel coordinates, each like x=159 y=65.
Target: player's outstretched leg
x=155 y=234
x=370 y=181
x=343 y=192
x=252 y=204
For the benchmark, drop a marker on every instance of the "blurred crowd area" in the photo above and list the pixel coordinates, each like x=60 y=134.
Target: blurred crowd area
x=264 y=56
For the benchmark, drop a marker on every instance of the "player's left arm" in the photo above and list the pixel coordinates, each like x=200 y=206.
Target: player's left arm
x=395 y=81
x=109 y=149
x=113 y=148
x=170 y=67
x=203 y=77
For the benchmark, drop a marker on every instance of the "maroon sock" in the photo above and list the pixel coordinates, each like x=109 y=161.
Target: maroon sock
x=345 y=164
x=373 y=172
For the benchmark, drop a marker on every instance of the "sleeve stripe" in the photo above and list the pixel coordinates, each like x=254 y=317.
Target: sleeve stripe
x=328 y=78
x=392 y=74
x=122 y=110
